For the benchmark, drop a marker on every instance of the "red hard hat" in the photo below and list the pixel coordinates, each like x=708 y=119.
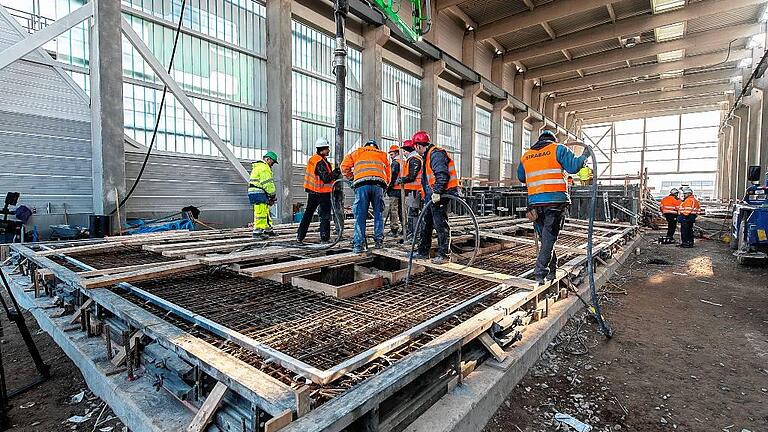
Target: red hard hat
x=394 y=148
x=408 y=144
x=421 y=137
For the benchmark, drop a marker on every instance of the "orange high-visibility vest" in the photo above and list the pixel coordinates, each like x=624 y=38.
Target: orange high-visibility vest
x=415 y=184
x=669 y=204
x=366 y=163
x=690 y=206
x=312 y=181
x=453 y=180
x=543 y=173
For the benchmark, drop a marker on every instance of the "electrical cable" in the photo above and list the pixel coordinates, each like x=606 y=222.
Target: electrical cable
x=159 y=112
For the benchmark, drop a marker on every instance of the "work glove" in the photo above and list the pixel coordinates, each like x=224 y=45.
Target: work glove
x=587 y=152
x=435 y=198
x=271 y=199
x=336 y=174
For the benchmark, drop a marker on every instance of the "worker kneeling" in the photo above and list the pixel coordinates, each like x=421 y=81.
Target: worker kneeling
x=438 y=179
x=541 y=170
x=368 y=168
x=318 y=183
x=669 y=208
x=688 y=211
x=262 y=194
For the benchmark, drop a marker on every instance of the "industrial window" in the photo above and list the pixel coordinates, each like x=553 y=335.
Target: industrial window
x=314 y=93
x=527 y=139
x=410 y=102
x=449 y=125
x=507 y=149
x=482 y=161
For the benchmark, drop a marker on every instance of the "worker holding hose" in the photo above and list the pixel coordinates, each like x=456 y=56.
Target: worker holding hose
x=438 y=179
x=262 y=193
x=541 y=169
x=410 y=183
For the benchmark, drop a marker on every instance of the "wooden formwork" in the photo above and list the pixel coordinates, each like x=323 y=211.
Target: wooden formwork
x=104 y=292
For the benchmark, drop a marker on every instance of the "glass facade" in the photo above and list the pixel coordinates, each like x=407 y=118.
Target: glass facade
x=507 y=149
x=449 y=125
x=314 y=92
x=482 y=162
x=410 y=102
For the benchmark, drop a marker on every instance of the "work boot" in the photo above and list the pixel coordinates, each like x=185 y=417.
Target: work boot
x=270 y=233
x=552 y=274
x=257 y=234
x=441 y=259
x=299 y=241
x=378 y=244
x=419 y=256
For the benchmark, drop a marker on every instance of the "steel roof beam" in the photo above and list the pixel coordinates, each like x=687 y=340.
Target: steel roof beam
x=647 y=114
x=650 y=97
x=655 y=107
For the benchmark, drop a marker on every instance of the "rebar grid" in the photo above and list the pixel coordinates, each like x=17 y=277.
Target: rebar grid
x=319 y=330
x=118 y=257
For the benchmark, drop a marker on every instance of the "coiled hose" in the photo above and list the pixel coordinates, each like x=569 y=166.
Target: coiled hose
x=429 y=205
x=597 y=309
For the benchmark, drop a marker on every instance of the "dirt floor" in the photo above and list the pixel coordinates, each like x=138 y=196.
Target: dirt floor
x=689 y=352
x=63 y=403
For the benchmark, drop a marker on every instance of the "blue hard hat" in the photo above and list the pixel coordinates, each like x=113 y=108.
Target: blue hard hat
x=372 y=142
x=548 y=135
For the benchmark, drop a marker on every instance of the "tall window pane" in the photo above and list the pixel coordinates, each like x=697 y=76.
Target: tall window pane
x=410 y=102
x=449 y=125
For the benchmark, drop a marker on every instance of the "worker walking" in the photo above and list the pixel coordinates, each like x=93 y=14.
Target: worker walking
x=541 y=169
x=438 y=179
x=669 y=208
x=688 y=210
x=410 y=184
x=369 y=170
x=318 y=183
x=395 y=197
x=262 y=194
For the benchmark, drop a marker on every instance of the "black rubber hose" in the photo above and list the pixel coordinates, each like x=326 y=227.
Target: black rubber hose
x=428 y=205
x=598 y=310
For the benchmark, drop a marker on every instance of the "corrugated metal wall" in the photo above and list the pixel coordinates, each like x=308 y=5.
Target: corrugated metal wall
x=45 y=134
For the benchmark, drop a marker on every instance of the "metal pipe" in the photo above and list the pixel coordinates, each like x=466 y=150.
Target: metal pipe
x=341 y=10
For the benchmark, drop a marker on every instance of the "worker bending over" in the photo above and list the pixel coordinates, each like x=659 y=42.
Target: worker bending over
x=318 y=182
x=410 y=183
x=669 y=208
x=262 y=194
x=438 y=179
x=368 y=168
x=394 y=193
x=541 y=169
x=688 y=210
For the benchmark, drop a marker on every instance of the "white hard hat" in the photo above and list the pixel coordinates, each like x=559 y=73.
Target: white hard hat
x=686 y=190
x=674 y=191
x=322 y=142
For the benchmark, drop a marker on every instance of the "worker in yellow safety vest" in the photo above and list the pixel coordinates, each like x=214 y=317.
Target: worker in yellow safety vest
x=687 y=213
x=262 y=194
x=585 y=175
x=668 y=206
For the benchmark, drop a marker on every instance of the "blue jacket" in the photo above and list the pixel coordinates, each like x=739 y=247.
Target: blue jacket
x=570 y=163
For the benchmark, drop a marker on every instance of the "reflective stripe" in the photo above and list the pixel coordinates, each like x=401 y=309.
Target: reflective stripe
x=543 y=172
x=545 y=182
x=453 y=179
x=312 y=182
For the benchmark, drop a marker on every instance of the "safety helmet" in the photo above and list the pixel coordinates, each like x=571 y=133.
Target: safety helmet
x=272 y=155
x=322 y=143
x=408 y=145
x=371 y=142
x=686 y=190
x=394 y=148
x=674 y=191
x=421 y=137
x=547 y=135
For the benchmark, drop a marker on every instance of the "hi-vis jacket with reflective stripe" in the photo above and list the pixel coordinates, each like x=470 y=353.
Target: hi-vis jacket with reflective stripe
x=690 y=206
x=312 y=181
x=439 y=171
x=261 y=179
x=541 y=169
x=367 y=164
x=669 y=204
x=412 y=173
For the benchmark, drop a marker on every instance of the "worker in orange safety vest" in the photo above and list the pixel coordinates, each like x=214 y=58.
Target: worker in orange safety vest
x=318 y=183
x=687 y=213
x=396 y=163
x=668 y=207
x=410 y=181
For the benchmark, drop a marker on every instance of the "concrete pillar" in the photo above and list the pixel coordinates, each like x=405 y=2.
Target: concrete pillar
x=374 y=40
x=107 y=135
x=429 y=88
x=497 y=125
x=763 y=152
x=528 y=93
x=279 y=116
x=741 y=171
x=736 y=150
x=468 y=121
x=755 y=122
x=517 y=141
x=469 y=49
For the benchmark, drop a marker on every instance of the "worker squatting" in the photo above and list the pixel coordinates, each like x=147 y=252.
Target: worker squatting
x=416 y=173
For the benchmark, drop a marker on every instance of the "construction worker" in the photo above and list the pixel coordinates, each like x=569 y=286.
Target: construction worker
x=541 y=169
x=585 y=175
x=410 y=181
x=394 y=193
x=669 y=208
x=688 y=210
x=438 y=179
x=369 y=170
x=262 y=194
x=318 y=183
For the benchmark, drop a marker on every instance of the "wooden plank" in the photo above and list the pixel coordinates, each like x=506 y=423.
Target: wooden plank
x=318 y=262
x=492 y=347
x=249 y=255
x=194 y=244
x=116 y=270
x=303 y=401
x=176 y=253
x=80 y=249
x=157 y=272
x=344 y=291
x=79 y=310
x=205 y=414
x=527 y=241
x=122 y=352
x=279 y=422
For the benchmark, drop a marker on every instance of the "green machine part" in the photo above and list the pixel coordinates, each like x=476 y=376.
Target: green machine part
x=421 y=22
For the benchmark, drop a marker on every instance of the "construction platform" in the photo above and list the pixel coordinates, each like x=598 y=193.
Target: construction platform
x=213 y=330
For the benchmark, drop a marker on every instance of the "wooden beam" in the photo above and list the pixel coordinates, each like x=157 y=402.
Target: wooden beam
x=317 y=262
x=249 y=255
x=80 y=249
x=158 y=272
x=204 y=415
x=278 y=422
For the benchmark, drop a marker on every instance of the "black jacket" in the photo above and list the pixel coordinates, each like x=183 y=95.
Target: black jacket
x=438 y=161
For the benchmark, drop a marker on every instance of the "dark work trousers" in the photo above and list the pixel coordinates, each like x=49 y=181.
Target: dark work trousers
x=413 y=203
x=435 y=218
x=686 y=228
x=315 y=200
x=548 y=228
x=671 y=224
